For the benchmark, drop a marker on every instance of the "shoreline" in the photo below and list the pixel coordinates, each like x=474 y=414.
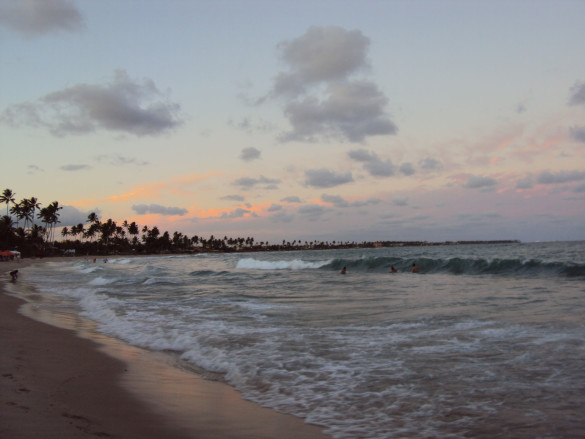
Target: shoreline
x=76 y=383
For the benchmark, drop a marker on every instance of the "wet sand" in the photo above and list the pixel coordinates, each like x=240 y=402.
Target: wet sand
x=70 y=382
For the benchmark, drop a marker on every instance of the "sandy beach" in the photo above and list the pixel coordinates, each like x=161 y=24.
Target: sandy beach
x=73 y=383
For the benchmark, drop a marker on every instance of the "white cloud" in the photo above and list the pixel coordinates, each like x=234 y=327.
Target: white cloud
x=323 y=100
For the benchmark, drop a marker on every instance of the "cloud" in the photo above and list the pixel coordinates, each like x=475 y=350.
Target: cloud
x=236 y=213
x=282 y=217
x=33 y=169
x=291 y=199
x=407 y=169
x=372 y=163
x=274 y=207
x=430 y=164
x=324 y=178
x=75 y=167
x=578 y=134
x=322 y=98
x=352 y=111
x=560 y=177
x=475 y=182
x=143 y=209
x=322 y=54
x=249 y=183
x=525 y=183
x=71 y=216
x=233 y=198
x=32 y=18
x=577 y=96
x=336 y=200
x=400 y=200
x=249 y=154
x=579 y=188
x=118 y=160
x=312 y=211
x=123 y=105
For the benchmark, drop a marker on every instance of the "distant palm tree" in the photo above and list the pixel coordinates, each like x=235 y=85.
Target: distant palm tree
x=7 y=197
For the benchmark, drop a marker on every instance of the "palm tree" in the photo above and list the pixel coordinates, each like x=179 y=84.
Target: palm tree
x=7 y=197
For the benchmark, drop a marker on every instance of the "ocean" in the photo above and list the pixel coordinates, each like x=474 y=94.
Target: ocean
x=485 y=341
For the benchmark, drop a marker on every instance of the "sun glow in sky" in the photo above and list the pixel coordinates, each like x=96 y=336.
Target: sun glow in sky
x=330 y=120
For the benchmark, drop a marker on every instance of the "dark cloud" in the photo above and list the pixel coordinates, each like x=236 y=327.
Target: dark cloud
x=322 y=99
x=577 y=94
x=372 y=163
x=71 y=216
x=579 y=188
x=143 y=209
x=249 y=183
x=361 y=155
x=32 y=18
x=407 y=169
x=324 y=178
x=312 y=211
x=475 y=182
x=336 y=200
x=33 y=169
x=560 y=177
x=400 y=200
x=525 y=183
x=237 y=213
x=249 y=154
x=123 y=105
x=75 y=167
x=118 y=160
x=233 y=198
x=430 y=164
x=578 y=134
x=291 y=199
x=282 y=217
x=274 y=207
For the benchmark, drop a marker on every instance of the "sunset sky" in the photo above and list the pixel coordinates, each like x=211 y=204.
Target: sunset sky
x=329 y=120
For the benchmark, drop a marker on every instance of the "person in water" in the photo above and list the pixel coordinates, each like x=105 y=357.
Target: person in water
x=343 y=270
x=14 y=275
x=393 y=269
x=415 y=268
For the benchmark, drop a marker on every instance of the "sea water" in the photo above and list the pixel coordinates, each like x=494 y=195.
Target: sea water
x=486 y=341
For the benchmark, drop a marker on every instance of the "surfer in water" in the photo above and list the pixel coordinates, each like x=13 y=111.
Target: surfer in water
x=393 y=269
x=415 y=268
x=343 y=270
x=14 y=275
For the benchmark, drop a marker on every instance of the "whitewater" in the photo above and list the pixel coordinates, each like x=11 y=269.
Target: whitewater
x=486 y=341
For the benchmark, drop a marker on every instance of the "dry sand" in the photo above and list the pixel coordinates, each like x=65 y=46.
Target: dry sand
x=74 y=383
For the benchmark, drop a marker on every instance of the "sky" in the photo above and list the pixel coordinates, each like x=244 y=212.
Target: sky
x=301 y=120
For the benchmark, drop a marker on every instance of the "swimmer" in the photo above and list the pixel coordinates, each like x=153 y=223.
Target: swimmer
x=415 y=268
x=393 y=269
x=343 y=270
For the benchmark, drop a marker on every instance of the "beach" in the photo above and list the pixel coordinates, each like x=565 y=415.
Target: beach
x=55 y=383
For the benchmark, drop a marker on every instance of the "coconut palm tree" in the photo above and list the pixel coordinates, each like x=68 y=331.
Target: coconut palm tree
x=7 y=197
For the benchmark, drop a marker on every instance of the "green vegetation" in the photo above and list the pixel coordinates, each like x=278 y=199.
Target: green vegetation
x=98 y=237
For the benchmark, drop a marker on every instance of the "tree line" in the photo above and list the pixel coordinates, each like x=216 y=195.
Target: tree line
x=19 y=231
